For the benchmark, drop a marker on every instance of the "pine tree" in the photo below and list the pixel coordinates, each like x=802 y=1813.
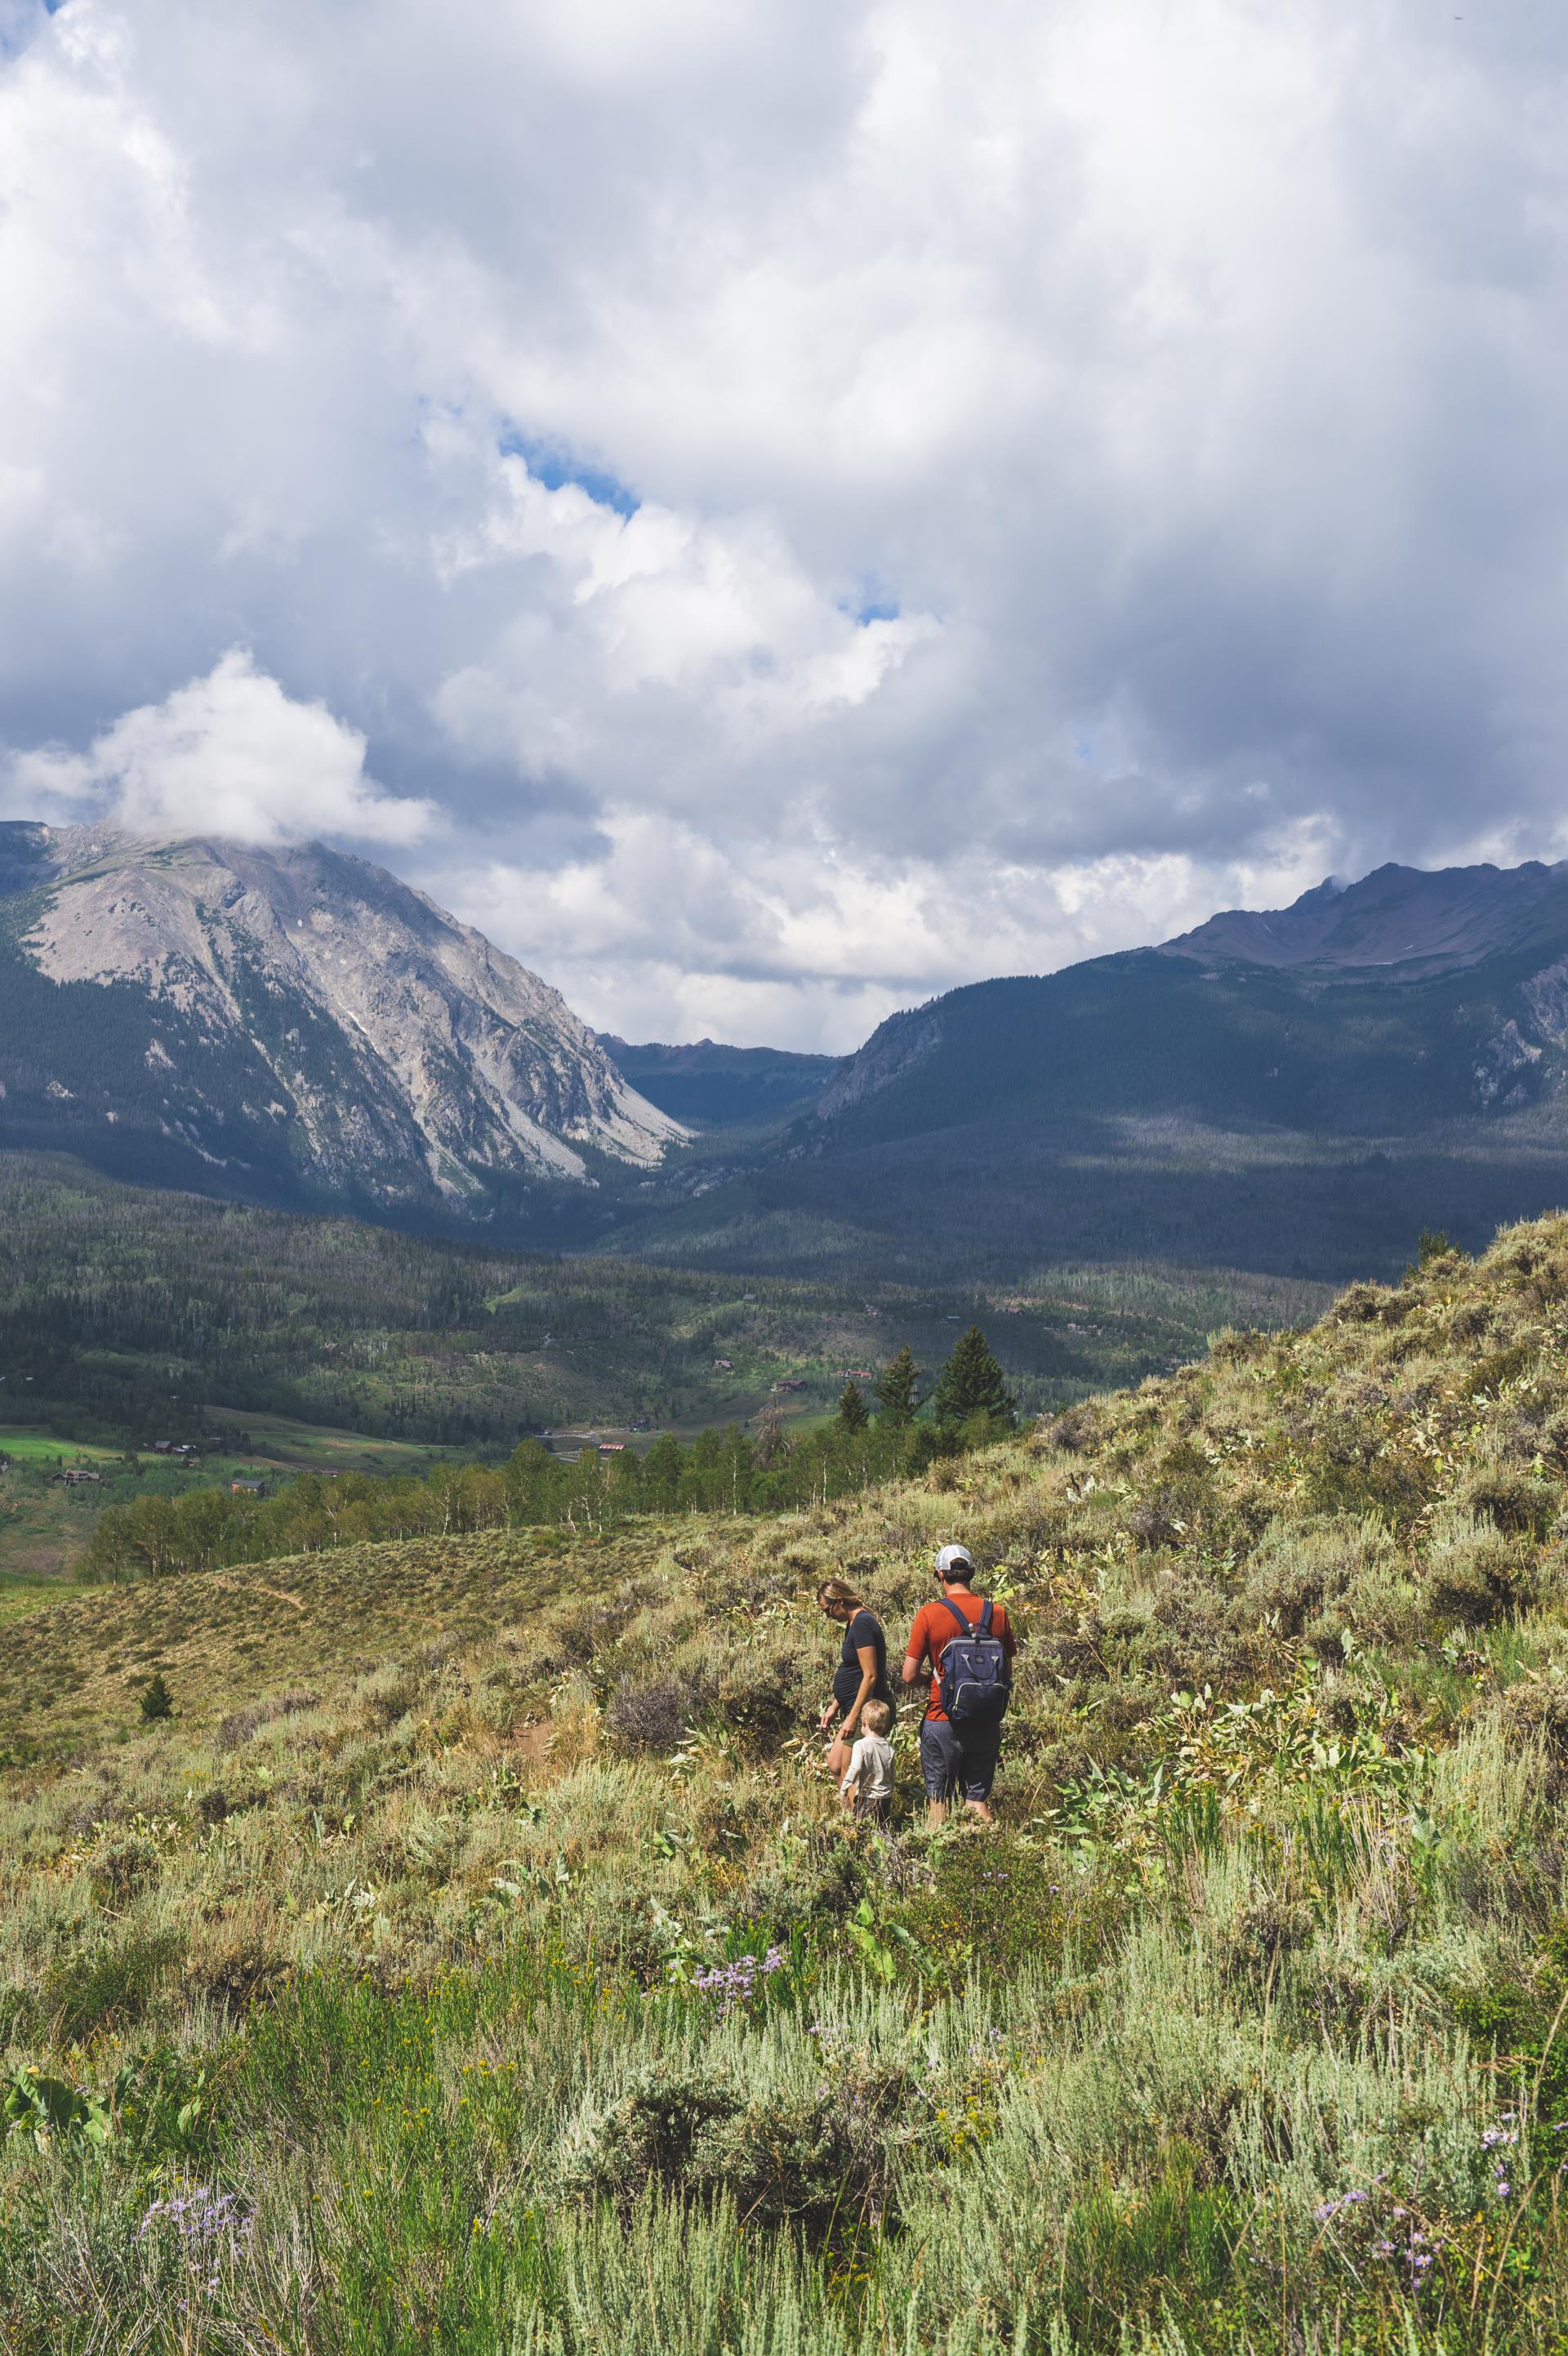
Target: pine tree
x=898 y=1394
x=852 y=1415
x=972 y=1384
x=156 y=1700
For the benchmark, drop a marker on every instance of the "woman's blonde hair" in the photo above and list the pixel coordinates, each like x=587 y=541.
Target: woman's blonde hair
x=838 y=1591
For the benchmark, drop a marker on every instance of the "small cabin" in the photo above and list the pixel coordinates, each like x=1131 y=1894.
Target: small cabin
x=247 y=1488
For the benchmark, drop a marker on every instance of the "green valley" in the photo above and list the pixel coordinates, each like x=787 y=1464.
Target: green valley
x=271 y=1340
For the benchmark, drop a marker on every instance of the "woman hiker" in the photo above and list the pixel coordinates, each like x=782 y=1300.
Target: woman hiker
x=863 y=1672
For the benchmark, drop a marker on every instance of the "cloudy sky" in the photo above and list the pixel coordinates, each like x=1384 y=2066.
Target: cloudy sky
x=774 y=510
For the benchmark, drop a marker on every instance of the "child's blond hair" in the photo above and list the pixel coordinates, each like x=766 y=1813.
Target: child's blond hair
x=875 y=1717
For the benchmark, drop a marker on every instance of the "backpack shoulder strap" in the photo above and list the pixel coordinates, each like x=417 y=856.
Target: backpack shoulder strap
x=986 y=1609
x=964 y=1622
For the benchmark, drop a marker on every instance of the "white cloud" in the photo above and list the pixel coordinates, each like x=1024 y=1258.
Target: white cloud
x=230 y=754
x=811 y=950
x=1087 y=458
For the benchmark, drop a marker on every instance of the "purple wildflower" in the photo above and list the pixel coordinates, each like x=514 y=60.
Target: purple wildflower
x=733 y=1985
x=209 y=2227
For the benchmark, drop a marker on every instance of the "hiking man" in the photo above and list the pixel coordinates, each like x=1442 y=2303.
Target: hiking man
x=961 y=1736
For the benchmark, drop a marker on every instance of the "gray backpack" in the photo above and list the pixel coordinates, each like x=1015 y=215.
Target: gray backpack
x=977 y=1680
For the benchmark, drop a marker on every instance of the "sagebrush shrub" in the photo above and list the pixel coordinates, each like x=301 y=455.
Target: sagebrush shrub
x=1473 y=1575
x=657 y=1717
x=648 y=2133
x=1511 y=1500
x=113 y=1984
x=238 y=1725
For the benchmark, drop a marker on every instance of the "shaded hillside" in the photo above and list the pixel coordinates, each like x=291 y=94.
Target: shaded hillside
x=706 y=1085
x=1146 y=1035
x=478 y=1938
x=1017 y=1200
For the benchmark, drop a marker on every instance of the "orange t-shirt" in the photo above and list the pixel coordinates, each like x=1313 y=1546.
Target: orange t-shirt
x=934 y=1624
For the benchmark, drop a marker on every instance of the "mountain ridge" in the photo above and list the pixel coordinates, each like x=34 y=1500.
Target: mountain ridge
x=1394 y=1056
x=1296 y=1092
x=1459 y=915
x=1360 y=933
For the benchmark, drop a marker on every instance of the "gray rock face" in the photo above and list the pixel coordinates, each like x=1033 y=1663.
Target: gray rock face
x=893 y=1047
x=401 y=1050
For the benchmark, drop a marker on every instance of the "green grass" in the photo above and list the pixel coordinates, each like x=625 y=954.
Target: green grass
x=28 y=1445
x=283 y=1442
x=20 y=1594
x=1244 y=2031
x=44 y=1526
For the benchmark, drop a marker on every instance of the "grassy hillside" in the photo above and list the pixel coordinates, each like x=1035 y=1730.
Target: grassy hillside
x=478 y=1955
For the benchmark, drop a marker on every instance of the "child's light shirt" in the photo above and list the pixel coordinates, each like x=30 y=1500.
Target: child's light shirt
x=869 y=1774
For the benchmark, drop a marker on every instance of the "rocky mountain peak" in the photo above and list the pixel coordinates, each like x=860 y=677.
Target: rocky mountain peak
x=388 y=1049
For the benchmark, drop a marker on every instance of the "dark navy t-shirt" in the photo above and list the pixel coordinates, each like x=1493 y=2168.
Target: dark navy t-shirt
x=864 y=1629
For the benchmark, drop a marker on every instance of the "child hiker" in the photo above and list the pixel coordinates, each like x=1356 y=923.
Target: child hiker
x=867 y=1785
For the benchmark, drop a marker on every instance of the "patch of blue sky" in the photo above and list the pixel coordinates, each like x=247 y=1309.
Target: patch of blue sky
x=21 y=22
x=870 y=603
x=553 y=465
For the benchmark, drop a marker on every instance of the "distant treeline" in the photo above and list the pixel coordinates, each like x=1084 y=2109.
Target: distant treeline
x=727 y=1470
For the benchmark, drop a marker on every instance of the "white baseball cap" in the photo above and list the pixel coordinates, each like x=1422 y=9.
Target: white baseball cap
x=952 y=1554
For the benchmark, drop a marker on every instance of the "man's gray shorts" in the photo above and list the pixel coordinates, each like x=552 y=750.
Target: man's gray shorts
x=958 y=1762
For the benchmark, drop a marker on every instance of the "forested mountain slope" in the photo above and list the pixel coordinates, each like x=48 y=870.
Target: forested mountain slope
x=1323 y=1031
x=292 y=1025
x=709 y=1085
x=1293 y=1092
x=478 y=1953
